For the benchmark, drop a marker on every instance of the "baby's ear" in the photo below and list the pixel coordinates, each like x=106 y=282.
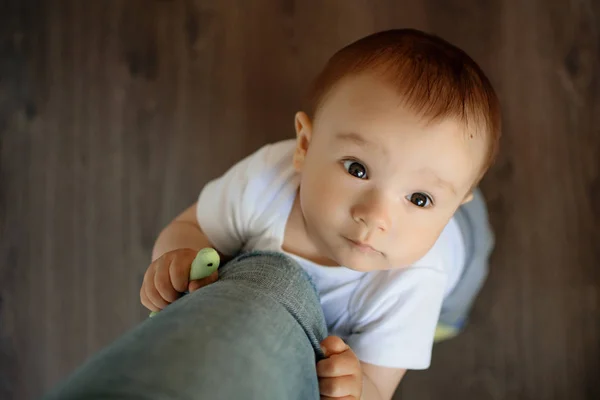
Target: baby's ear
x=303 y=135
x=468 y=197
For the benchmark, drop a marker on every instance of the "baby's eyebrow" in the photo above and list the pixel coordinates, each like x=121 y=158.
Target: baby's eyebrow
x=439 y=181
x=360 y=141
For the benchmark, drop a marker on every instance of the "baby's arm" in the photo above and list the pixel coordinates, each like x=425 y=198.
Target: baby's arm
x=182 y=233
x=172 y=256
x=380 y=381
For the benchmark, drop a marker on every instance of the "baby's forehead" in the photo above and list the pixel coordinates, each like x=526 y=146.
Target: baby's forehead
x=367 y=93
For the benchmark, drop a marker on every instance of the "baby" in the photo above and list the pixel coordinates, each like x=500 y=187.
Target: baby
x=371 y=198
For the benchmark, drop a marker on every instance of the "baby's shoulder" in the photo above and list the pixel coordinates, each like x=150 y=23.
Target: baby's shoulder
x=269 y=168
x=269 y=183
x=274 y=156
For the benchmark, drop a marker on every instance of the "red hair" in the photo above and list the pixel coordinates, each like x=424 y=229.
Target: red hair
x=433 y=77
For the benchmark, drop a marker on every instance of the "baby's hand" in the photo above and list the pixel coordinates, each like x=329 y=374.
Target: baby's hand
x=168 y=276
x=340 y=375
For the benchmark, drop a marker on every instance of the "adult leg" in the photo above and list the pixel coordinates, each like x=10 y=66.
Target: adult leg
x=253 y=334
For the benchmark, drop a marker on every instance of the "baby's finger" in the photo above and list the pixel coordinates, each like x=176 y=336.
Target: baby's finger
x=179 y=271
x=162 y=280
x=145 y=302
x=154 y=297
x=338 y=365
x=339 y=387
x=199 y=283
x=333 y=345
x=151 y=293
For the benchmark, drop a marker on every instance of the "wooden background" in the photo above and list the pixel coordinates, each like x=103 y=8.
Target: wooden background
x=113 y=114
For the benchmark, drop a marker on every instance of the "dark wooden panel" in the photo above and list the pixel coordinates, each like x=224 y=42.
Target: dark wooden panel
x=535 y=330
x=114 y=113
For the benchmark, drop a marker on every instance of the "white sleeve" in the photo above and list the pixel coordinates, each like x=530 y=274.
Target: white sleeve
x=394 y=317
x=227 y=205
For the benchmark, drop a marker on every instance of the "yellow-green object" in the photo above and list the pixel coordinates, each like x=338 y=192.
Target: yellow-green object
x=206 y=262
x=444 y=332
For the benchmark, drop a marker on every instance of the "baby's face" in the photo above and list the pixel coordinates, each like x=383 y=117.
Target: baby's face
x=378 y=185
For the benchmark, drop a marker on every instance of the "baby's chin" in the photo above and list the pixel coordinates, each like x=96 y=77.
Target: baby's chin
x=374 y=262
x=364 y=263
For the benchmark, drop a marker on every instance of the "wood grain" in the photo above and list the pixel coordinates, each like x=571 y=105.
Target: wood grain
x=113 y=114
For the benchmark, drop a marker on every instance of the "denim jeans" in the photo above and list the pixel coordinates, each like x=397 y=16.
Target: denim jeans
x=253 y=334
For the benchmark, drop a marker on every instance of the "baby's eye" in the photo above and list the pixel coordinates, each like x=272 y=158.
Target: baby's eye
x=355 y=169
x=420 y=200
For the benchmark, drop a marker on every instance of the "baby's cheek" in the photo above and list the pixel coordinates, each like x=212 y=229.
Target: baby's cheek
x=326 y=196
x=410 y=248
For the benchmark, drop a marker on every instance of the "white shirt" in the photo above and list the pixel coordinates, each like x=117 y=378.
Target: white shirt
x=388 y=318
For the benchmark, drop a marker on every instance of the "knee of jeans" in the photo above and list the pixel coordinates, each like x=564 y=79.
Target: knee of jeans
x=264 y=266
x=282 y=279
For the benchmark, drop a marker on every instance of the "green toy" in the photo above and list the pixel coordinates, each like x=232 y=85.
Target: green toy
x=206 y=262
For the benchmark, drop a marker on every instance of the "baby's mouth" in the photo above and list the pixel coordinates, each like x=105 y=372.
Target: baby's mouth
x=362 y=246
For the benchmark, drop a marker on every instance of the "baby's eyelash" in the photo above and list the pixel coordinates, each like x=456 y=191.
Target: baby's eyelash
x=355 y=168
x=421 y=200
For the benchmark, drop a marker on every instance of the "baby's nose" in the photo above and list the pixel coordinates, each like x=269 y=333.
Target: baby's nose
x=374 y=215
